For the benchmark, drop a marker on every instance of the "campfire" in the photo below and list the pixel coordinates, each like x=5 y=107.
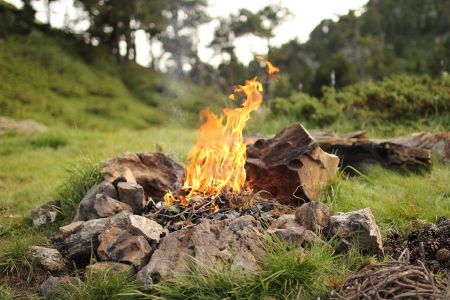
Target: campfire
x=217 y=161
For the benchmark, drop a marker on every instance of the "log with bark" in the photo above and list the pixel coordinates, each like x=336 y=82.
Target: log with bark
x=291 y=166
x=359 y=153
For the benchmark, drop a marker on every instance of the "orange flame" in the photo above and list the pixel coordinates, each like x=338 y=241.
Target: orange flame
x=216 y=162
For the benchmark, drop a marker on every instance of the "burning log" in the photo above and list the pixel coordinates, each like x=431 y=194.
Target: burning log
x=291 y=166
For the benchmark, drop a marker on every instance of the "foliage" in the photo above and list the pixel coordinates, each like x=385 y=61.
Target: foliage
x=388 y=37
x=286 y=273
x=80 y=178
x=6 y=293
x=395 y=198
x=102 y=285
x=13 y=258
x=398 y=99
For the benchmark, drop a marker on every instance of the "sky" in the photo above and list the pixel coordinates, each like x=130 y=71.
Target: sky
x=306 y=15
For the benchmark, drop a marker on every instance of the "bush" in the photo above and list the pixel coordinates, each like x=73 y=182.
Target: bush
x=304 y=108
x=399 y=99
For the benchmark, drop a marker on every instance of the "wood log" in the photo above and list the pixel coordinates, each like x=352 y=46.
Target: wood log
x=438 y=143
x=359 y=153
x=291 y=166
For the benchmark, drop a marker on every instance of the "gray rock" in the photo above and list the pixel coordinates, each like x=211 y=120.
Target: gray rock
x=86 y=210
x=70 y=228
x=298 y=235
x=106 y=206
x=84 y=241
x=132 y=194
x=52 y=284
x=236 y=242
x=148 y=228
x=360 y=228
x=49 y=259
x=109 y=266
x=284 y=221
x=313 y=216
x=45 y=214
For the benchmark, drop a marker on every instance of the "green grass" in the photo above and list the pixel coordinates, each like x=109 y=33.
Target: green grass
x=99 y=286
x=7 y=293
x=286 y=273
x=396 y=198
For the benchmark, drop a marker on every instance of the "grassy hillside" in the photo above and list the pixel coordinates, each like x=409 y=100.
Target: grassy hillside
x=58 y=81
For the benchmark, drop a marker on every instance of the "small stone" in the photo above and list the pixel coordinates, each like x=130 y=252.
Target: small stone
x=70 y=228
x=109 y=266
x=148 y=228
x=132 y=194
x=50 y=286
x=313 y=215
x=86 y=210
x=106 y=206
x=285 y=221
x=45 y=214
x=48 y=258
x=298 y=235
x=360 y=228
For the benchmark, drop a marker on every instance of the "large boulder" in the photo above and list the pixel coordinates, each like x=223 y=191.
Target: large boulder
x=291 y=166
x=236 y=242
x=45 y=214
x=314 y=216
x=83 y=240
x=86 y=210
x=47 y=258
x=358 y=227
x=155 y=172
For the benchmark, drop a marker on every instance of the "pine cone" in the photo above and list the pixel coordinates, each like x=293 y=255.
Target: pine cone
x=443 y=255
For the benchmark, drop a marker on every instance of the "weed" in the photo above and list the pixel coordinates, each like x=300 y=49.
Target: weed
x=50 y=139
x=80 y=178
x=102 y=285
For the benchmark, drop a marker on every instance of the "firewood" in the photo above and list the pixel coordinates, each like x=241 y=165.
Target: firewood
x=291 y=166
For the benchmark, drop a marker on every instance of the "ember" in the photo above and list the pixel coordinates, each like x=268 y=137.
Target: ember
x=217 y=160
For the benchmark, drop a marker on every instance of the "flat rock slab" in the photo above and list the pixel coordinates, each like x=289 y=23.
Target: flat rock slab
x=236 y=241
x=360 y=228
x=8 y=124
x=155 y=172
x=291 y=166
x=49 y=259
